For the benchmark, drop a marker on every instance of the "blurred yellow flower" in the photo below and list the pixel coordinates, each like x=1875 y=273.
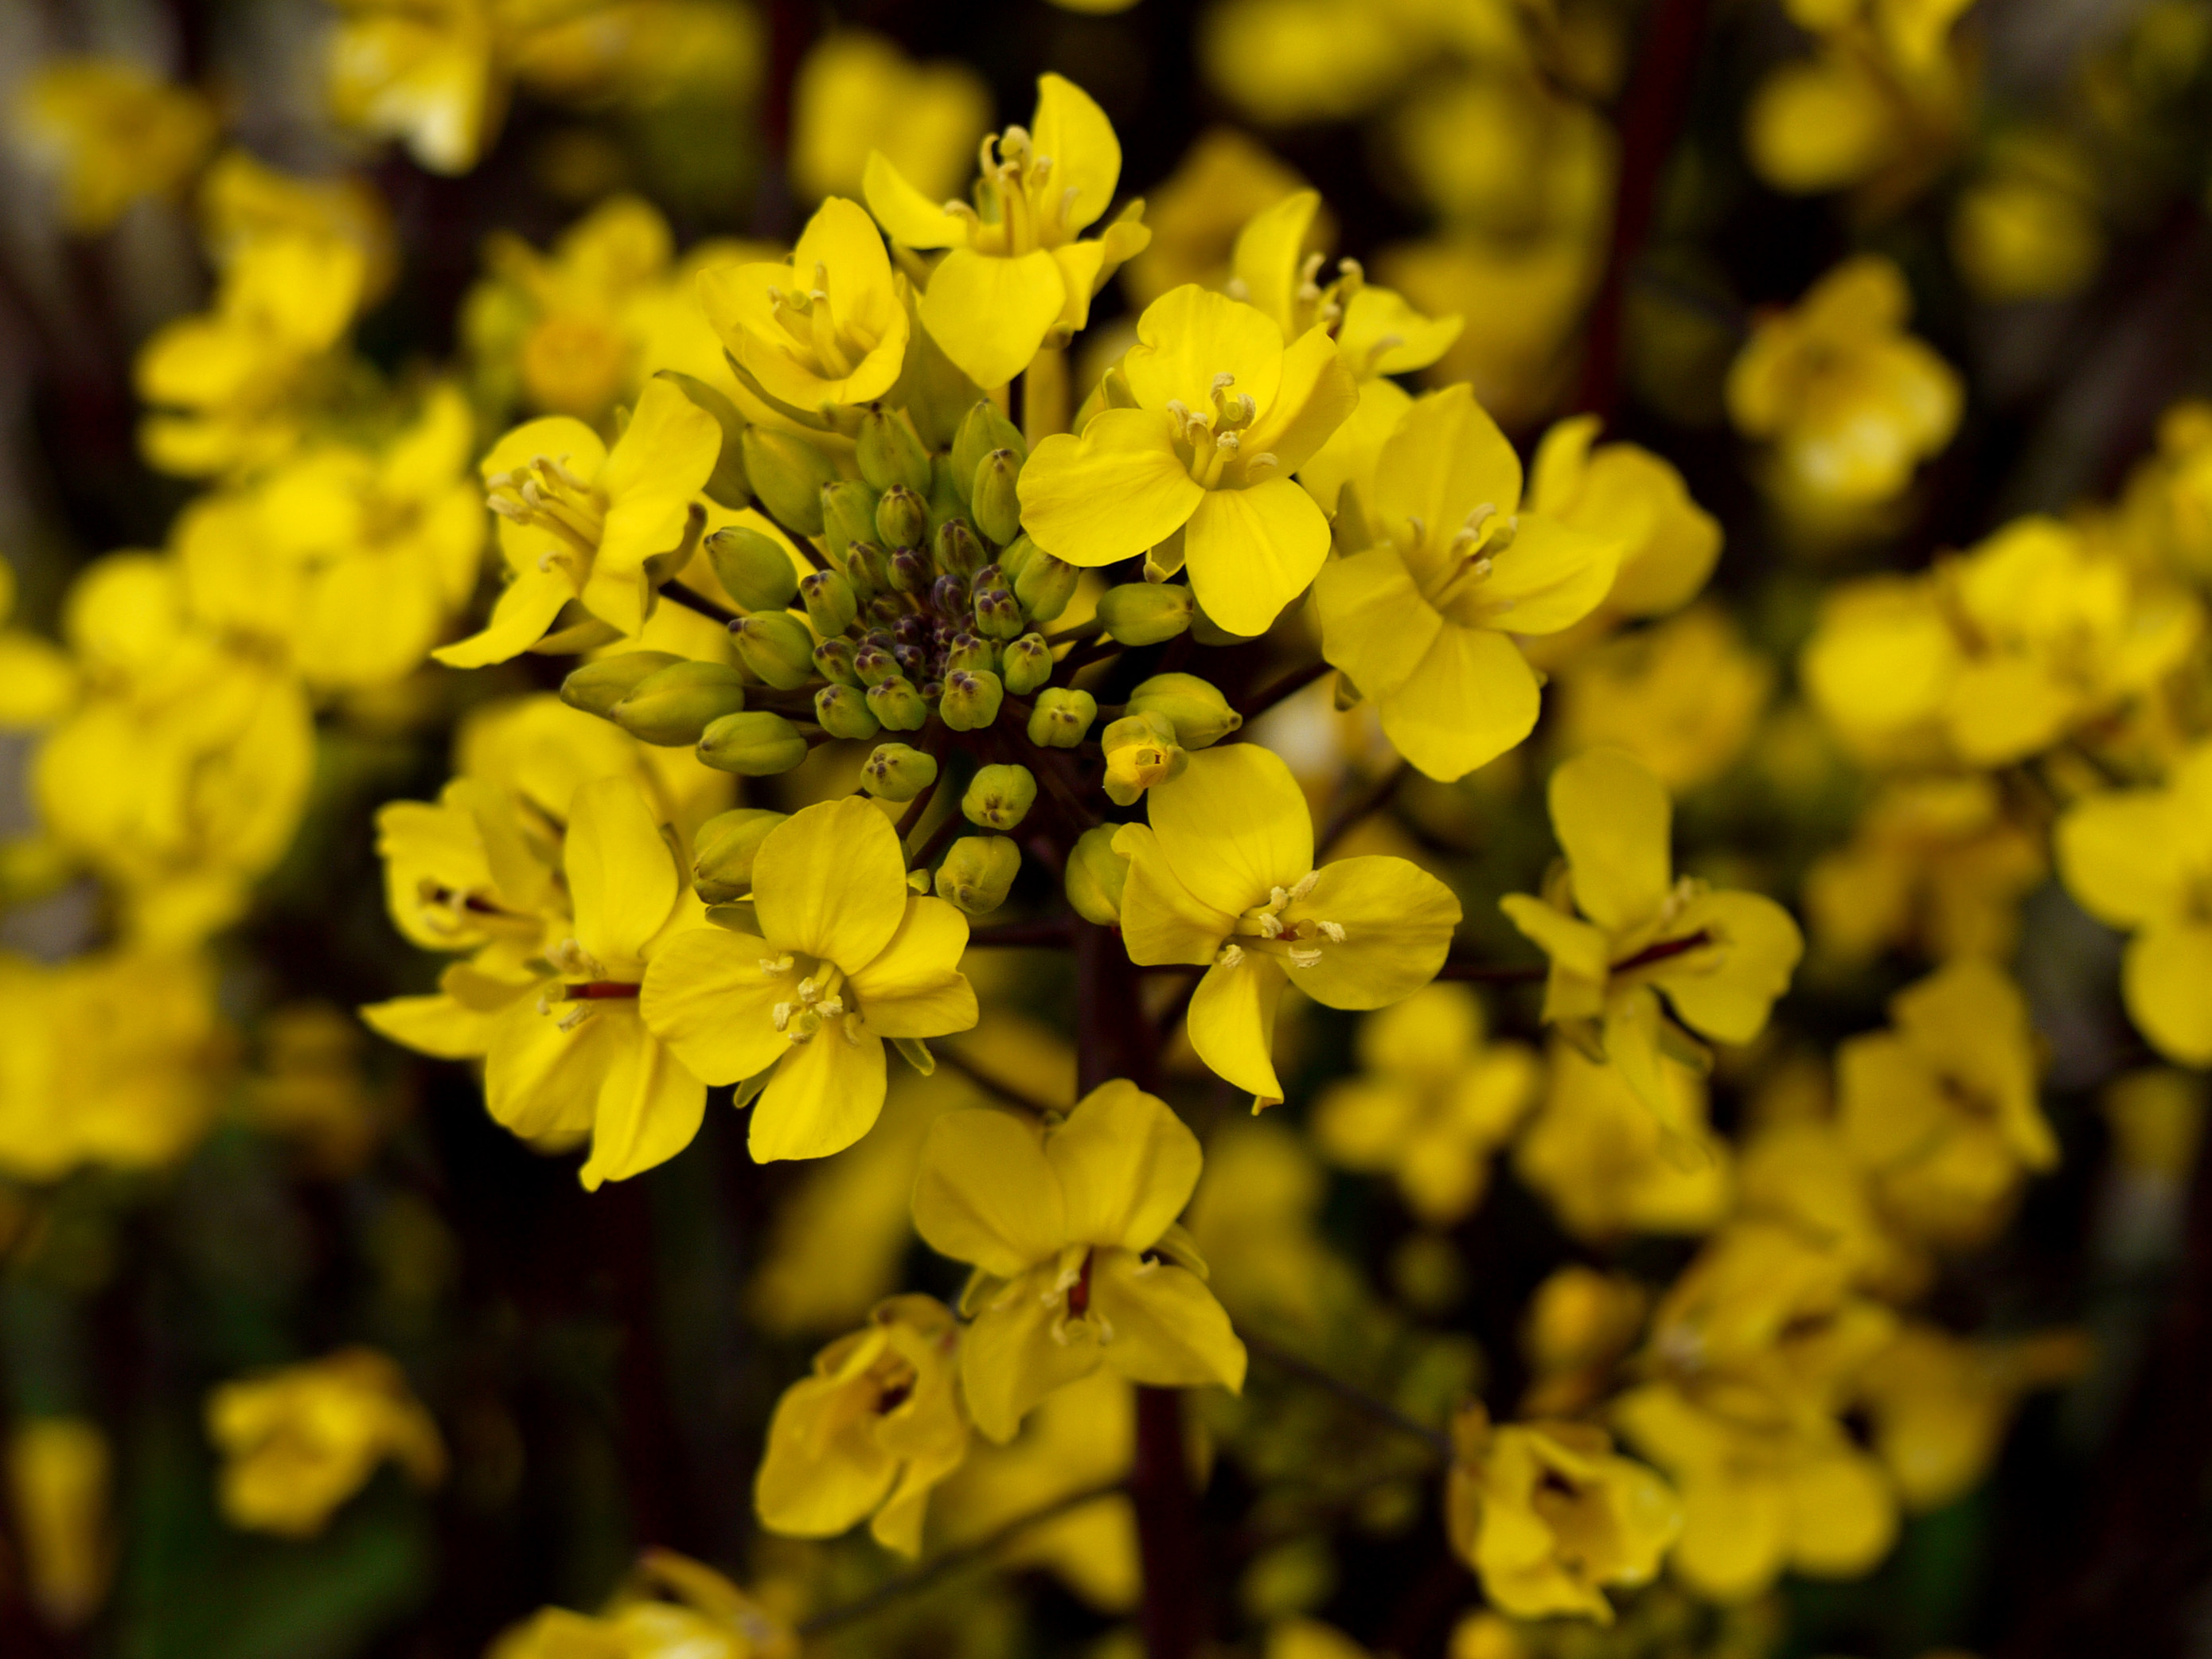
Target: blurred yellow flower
x=2029 y=227
x=1851 y=402
x=1519 y=298
x=1198 y=213
x=1579 y=1324
x=243 y=202
x=1684 y=698
x=1940 y=1406
x=298 y=1443
x=1223 y=878
x=857 y=93
x=1608 y=1164
x=113 y=132
x=1625 y=493
x=1078 y=1261
x=668 y=1607
x=58 y=1472
x=1431 y=1103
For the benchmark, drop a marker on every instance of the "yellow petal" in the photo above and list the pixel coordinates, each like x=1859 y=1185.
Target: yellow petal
x=1086 y=156
x=1009 y=1361
x=1232 y=1023
x=2119 y=854
x=1168 y=1331
x=1470 y=697
x=831 y=881
x=827 y=1092
x=622 y=875
x=1397 y=921
x=906 y=215
x=1251 y=551
x=1759 y=945
x=1234 y=826
x=1575 y=946
x=1188 y=337
x=1447 y=458
x=1374 y=624
x=1127 y=1166
x=1162 y=920
x=519 y=619
x=649 y=1107
x=1383 y=334
x=912 y=988
x=1355 y=448
x=706 y=996
x=990 y=313
x=542 y=1080
x=1270 y=250
x=1316 y=395
x=984 y=1193
x=1613 y=821
x=431 y=1025
x=560 y=437
x=1842 y=1516
x=649 y=481
x=822 y=1472
x=1551 y=578
x=2164 y=977
x=1115 y=491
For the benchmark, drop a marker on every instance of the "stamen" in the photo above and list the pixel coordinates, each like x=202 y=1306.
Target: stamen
x=1305 y=955
x=1232 y=956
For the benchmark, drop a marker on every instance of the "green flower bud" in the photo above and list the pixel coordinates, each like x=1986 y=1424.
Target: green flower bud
x=1014 y=555
x=972 y=700
x=776 y=645
x=673 y=707
x=985 y=428
x=1145 y=613
x=1045 y=585
x=902 y=517
x=830 y=603
x=722 y=852
x=890 y=454
x=897 y=772
x=868 y=568
x=874 y=665
x=1095 y=873
x=1140 y=751
x=978 y=872
x=946 y=499
x=788 y=474
x=969 y=653
x=999 y=797
x=999 y=614
x=843 y=712
x=1061 y=717
x=597 y=687
x=753 y=744
x=958 y=552
x=753 y=568
x=1025 y=664
x=898 y=704
x=992 y=498
x=726 y=483
x=1198 y=713
x=833 y=660
x=849 y=515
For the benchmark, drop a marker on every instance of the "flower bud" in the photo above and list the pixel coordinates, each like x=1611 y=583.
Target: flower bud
x=874 y=664
x=597 y=687
x=1198 y=711
x=1145 y=613
x=776 y=645
x=997 y=509
x=868 y=567
x=722 y=852
x=753 y=568
x=890 y=454
x=978 y=872
x=753 y=744
x=830 y=603
x=1095 y=873
x=1045 y=585
x=1061 y=717
x=849 y=515
x=999 y=614
x=911 y=572
x=897 y=772
x=833 y=660
x=1025 y=664
x=1016 y=554
x=948 y=595
x=999 y=797
x=984 y=429
x=971 y=699
x=788 y=474
x=843 y=712
x=902 y=517
x=969 y=651
x=958 y=552
x=673 y=707
x=1140 y=751
x=896 y=703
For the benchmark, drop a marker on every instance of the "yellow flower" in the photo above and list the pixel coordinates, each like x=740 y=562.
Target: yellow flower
x=426 y=74
x=1882 y=103
x=1223 y=878
x=1579 y=1324
x=857 y=93
x=1433 y=1102
x=1850 y=402
x=870 y=1433
x=1764 y=1488
x=298 y=1443
x=1551 y=1517
x=1608 y=1164
x=1257 y=1219
x=826 y=328
x=242 y=202
x=1422 y=622
x=1940 y=1110
x=2139 y=860
x=1625 y=493
x=1078 y=1261
x=58 y=1472
x=1683 y=698
x=1621 y=932
x=1940 y=1406
x=232 y=388
x=1298 y=60
x=1798 y=1172
x=846 y=957
x=1016 y=277
x=581 y=522
x=2028 y=228
x=1198 y=214
x=669 y=1608
x=1223 y=413
x=114 y=132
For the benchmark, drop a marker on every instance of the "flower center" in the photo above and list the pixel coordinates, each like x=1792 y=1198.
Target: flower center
x=817 y=1000
x=585 y=980
x=1212 y=442
x=546 y=494
x=1453 y=583
x=811 y=335
x=1271 y=927
x=1017 y=210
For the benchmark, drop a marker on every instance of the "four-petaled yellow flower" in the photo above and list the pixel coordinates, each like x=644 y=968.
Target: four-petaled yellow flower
x=2141 y=860
x=114 y=133
x=847 y=956
x=1223 y=878
x=1017 y=278
x=826 y=328
x=1621 y=931
x=1079 y=1262
x=669 y=1608
x=601 y=527
x=1420 y=622
x=298 y=1443
x=1552 y=1518
x=1224 y=412
x=871 y=1432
